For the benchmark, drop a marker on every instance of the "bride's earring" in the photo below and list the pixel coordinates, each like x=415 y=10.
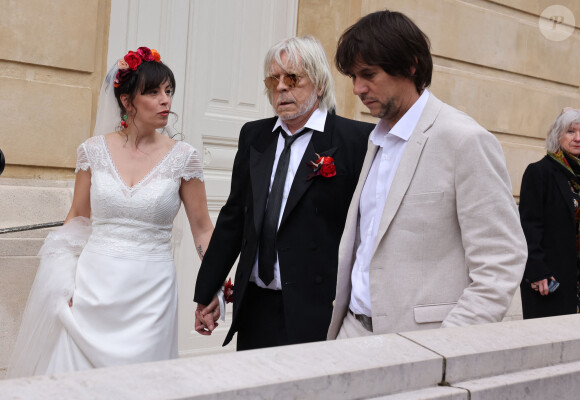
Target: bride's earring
x=124 y=121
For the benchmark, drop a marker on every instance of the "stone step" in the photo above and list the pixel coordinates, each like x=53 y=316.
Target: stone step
x=515 y=310
x=24 y=202
x=29 y=201
x=11 y=247
x=16 y=277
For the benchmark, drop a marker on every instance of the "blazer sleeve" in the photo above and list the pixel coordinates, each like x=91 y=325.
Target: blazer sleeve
x=226 y=240
x=532 y=203
x=492 y=237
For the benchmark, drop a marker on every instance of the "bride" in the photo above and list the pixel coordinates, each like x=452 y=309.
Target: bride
x=105 y=292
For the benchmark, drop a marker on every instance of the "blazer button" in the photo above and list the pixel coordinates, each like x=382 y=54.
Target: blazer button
x=318 y=280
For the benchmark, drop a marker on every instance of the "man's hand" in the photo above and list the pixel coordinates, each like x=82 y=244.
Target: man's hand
x=206 y=317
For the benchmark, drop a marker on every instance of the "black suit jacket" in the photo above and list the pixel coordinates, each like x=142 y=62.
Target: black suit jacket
x=547 y=216
x=309 y=232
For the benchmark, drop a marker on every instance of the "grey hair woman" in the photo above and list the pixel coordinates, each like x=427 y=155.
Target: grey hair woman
x=560 y=127
x=550 y=216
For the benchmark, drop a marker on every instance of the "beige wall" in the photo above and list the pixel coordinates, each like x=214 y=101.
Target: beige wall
x=490 y=57
x=52 y=59
x=490 y=60
x=326 y=20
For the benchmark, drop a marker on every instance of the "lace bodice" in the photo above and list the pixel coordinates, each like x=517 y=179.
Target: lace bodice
x=136 y=220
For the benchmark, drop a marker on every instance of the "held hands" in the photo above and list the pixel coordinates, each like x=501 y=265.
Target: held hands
x=206 y=317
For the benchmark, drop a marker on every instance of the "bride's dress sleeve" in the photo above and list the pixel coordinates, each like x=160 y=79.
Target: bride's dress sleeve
x=193 y=167
x=82 y=159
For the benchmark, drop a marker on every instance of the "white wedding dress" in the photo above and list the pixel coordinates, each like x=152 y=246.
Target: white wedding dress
x=124 y=289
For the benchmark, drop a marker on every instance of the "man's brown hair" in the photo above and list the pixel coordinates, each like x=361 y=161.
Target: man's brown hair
x=390 y=40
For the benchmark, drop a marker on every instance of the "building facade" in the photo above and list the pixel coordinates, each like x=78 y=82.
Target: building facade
x=510 y=64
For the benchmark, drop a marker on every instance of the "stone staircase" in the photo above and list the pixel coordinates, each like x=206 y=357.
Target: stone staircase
x=23 y=202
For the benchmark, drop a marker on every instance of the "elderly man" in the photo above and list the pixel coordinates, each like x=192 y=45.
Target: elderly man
x=432 y=236
x=292 y=181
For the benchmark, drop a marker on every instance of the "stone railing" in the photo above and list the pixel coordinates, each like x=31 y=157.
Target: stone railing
x=533 y=359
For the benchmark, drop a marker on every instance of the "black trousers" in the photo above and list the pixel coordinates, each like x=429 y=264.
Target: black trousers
x=261 y=322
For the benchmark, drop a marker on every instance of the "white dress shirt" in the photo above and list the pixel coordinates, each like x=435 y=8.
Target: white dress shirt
x=374 y=195
x=315 y=122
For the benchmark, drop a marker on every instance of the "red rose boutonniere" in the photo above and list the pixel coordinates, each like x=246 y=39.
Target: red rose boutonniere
x=324 y=166
x=229 y=291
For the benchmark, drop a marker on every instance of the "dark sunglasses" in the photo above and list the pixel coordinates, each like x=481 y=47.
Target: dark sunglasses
x=290 y=80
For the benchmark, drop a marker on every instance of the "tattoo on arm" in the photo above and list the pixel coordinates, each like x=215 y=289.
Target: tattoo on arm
x=200 y=251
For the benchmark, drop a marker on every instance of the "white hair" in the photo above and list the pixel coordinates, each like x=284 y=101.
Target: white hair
x=559 y=127
x=307 y=53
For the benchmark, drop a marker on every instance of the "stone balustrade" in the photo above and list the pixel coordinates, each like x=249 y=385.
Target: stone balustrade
x=532 y=359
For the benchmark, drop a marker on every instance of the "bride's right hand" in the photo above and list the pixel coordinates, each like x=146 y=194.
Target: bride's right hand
x=206 y=317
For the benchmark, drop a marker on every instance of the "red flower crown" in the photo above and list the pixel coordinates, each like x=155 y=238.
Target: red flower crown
x=131 y=62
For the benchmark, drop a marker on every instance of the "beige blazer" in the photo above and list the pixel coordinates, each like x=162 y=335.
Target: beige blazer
x=450 y=249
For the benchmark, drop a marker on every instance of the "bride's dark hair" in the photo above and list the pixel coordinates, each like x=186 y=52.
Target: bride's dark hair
x=148 y=75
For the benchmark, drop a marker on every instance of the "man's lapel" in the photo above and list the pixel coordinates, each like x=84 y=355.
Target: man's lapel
x=408 y=164
x=320 y=143
x=261 y=164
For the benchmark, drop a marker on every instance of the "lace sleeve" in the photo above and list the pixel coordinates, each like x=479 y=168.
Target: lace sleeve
x=193 y=166
x=82 y=159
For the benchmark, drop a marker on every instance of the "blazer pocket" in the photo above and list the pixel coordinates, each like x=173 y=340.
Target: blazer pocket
x=426 y=313
x=420 y=198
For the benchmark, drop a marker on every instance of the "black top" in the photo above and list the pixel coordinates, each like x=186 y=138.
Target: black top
x=547 y=215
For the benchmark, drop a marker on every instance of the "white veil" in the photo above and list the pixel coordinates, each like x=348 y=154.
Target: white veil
x=108 y=111
x=47 y=303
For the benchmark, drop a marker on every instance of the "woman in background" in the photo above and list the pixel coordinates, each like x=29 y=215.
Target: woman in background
x=550 y=216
